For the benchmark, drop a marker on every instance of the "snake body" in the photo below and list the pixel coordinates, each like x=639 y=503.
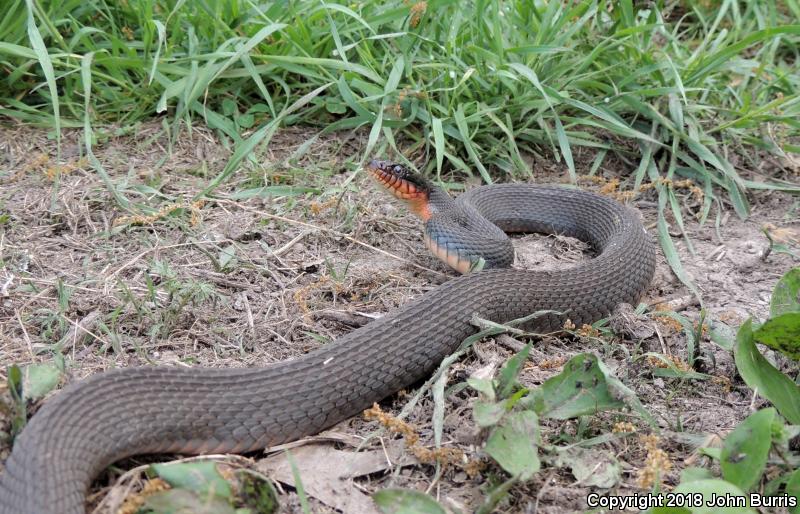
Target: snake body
x=123 y=412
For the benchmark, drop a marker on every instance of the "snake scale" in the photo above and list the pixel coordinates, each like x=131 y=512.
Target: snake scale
x=124 y=412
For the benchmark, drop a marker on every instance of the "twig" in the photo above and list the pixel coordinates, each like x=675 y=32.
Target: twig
x=285 y=248
x=5 y=285
x=76 y=336
x=678 y=304
x=25 y=333
x=509 y=342
x=248 y=311
x=89 y=332
x=217 y=279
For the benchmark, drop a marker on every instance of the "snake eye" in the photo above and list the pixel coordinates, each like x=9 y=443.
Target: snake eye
x=398 y=170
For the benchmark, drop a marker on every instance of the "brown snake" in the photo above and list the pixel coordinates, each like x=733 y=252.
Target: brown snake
x=124 y=412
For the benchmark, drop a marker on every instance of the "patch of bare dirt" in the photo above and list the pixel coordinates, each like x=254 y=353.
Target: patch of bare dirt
x=243 y=282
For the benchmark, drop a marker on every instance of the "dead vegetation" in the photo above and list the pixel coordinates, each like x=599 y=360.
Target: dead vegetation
x=245 y=280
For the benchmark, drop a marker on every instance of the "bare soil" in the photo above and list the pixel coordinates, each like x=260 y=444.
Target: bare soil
x=243 y=282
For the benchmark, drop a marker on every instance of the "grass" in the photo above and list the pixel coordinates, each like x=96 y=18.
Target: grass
x=674 y=89
x=698 y=90
x=165 y=291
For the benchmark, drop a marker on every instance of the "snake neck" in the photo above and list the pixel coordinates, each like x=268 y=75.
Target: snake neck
x=439 y=201
x=458 y=235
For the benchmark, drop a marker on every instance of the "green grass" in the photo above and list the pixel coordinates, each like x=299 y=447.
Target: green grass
x=674 y=90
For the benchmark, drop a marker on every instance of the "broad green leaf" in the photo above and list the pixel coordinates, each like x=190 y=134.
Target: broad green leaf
x=625 y=394
x=507 y=380
x=694 y=473
x=487 y=414
x=713 y=452
x=183 y=501
x=201 y=477
x=781 y=333
x=786 y=295
x=793 y=488
x=218 y=121
x=228 y=107
x=592 y=468
x=335 y=107
x=39 y=379
x=246 y=121
x=744 y=454
x=723 y=335
x=484 y=386
x=227 y=257
x=762 y=376
x=513 y=445
x=578 y=390
x=406 y=501
x=258 y=492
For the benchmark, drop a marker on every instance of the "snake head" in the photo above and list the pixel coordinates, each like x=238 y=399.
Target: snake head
x=404 y=184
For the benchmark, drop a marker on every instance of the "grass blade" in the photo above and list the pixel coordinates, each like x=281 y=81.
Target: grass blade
x=43 y=56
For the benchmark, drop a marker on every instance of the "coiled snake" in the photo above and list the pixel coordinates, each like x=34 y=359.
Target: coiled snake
x=123 y=412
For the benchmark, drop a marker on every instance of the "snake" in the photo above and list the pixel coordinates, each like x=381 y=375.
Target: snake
x=119 y=413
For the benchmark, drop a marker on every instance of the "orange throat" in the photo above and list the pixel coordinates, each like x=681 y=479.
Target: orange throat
x=416 y=199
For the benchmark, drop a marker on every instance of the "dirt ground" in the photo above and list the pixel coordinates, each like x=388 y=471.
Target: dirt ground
x=248 y=279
